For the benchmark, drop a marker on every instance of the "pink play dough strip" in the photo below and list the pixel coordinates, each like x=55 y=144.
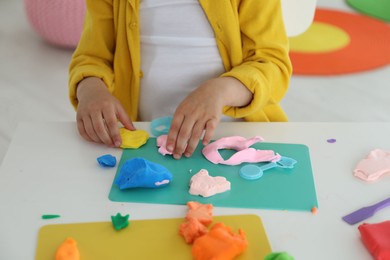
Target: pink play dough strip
x=374 y=166
x=244 y=152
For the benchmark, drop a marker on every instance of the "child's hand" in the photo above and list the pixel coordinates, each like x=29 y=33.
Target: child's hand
x=201 y=111
x=98 y=113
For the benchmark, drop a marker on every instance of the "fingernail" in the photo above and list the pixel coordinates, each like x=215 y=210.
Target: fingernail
x=170 y=148
x=117 y=143
x=187 y=155
x=176 y=156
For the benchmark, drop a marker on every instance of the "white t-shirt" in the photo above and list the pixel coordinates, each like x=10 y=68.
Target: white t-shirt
x=178 y=53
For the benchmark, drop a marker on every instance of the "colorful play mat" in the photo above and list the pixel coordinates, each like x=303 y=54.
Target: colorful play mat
x=378 y=8
x=339 y=42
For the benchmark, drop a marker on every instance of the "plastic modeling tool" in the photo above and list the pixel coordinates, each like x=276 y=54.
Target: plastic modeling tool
x=253 y=172
x=365 y=212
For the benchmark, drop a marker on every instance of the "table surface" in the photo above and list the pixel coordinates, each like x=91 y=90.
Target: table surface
x=50 y=169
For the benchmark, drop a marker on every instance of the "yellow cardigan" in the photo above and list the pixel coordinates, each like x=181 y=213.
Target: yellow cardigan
x=250 y=36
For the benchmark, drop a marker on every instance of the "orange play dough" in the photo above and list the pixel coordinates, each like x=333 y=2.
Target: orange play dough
x=198 y=217
x=68 y=250
x=220 y=243
x=201 y=212
x=192 y=229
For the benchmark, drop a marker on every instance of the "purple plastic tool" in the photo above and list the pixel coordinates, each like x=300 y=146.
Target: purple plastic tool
x=365 y=212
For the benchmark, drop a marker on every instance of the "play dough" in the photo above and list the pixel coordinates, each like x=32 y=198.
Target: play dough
x=107 y=160
x=219 y=243
x=50 y=216
x=202 y=212
x=198 y=217
x=133 y=139
x=120 y=222
x=68 y=250
x=279 y=256
x=374 y=166
x=205 y=185
x=138 y=172
x=161 y=142
x=376 y=238
x=244 y=152
x=161 y=125
x=192 y=229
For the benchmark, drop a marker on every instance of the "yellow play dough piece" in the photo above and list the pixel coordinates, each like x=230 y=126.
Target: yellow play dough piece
x=133 y=139
x=319 y=38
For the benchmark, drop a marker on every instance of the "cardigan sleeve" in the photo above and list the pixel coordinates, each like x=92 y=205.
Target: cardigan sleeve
x=95 y=51
x=266 y=68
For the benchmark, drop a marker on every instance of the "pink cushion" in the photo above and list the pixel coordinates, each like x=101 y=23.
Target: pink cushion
x=59 y=22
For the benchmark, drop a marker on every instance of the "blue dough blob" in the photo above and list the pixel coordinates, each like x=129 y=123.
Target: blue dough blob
x=161 y=125
x=138 y=172
x=107 y=160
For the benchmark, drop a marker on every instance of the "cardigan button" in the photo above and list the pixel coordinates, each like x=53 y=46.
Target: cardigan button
x=132 y=25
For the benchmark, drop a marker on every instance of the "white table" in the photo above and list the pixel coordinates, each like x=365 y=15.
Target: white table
x=50 y=169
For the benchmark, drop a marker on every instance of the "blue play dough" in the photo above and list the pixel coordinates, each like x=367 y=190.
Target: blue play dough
x=141 y=173
x=161 y=125
x=107 y=160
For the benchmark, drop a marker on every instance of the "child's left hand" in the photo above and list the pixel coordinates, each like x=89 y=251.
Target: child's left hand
x=201 y=111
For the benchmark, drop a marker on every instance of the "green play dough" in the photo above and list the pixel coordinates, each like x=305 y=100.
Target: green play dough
x=119 y=222
x=279 y=256
x=50 y=216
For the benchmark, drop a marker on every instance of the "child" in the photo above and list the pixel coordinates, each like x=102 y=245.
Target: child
x=201 y=61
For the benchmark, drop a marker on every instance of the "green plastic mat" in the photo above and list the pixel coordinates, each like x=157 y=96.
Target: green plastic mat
x=376 y=8
x=282 y=189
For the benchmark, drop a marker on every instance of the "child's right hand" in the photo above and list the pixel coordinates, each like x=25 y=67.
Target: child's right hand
x=98 y=113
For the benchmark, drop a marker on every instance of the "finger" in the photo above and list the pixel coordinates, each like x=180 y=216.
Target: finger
x=194 y=140
x=211 y=125
x=125 y=119
x=174 y=129
x=101 y=130
x=89 y=129
x=82 y=131
x=111 y=124
x=183 y=137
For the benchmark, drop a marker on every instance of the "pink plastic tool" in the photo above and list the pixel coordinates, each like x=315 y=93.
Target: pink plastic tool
x=365 y=212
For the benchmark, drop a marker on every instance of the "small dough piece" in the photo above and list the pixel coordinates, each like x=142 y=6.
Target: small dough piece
x=106 y=160
x=68 y=250
x=202 y=212
x=120 y=222
x=133 y=139
x=198 y=217
x=374 y=166
x=192 y=229
x=161 y=142
x=205 y=185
